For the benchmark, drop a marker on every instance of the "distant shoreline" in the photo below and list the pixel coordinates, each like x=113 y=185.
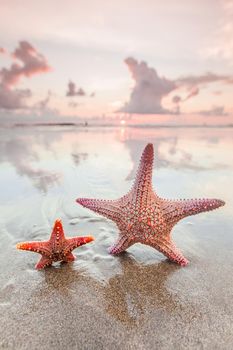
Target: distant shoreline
x=87 y=125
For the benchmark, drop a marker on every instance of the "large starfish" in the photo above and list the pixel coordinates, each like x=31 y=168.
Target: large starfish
x=142 y=216
x=57 y=248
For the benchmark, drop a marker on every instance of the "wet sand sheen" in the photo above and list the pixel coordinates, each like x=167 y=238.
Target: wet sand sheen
x=137 y=300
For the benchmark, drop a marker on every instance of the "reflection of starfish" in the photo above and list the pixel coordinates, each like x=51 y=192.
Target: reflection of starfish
x=128 y=293
x=143 y=217
x=58 y=248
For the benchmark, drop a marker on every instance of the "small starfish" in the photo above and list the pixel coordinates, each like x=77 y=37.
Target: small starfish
x=57 y=248
x=143 y=217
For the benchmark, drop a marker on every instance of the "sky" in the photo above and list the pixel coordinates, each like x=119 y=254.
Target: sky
x=131 y=60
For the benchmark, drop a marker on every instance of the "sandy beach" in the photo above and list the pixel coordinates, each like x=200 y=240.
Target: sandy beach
x=138 y=300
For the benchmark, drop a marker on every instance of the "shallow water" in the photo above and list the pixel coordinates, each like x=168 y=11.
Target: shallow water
x=137 y=300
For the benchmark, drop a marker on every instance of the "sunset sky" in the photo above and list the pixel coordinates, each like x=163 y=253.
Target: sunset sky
x=144 y=59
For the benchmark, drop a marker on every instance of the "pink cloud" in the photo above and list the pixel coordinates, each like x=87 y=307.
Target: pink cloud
x=2 y=50
x=193 y=92
x=217 y=92
x=214 y=111
x=31 y=63
x=221 y=46
x=13 y=99
x=207 y=78
x=149 y=89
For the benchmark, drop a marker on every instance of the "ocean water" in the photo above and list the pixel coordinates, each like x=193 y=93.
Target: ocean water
x=44 y=169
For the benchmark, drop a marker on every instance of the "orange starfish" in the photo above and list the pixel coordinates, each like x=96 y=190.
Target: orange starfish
x=57 y=248
x=143 y=217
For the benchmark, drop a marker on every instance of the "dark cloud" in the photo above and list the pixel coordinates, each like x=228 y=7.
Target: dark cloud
x=176 y=99
x=74 y=91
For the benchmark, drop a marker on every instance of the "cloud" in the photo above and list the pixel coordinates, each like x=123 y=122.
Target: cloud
x=73 y=104
x=43 y=104
x=13 y=99
x=215 y=111
x=43 y=109
x=194 y=91
x=22 y=153
x=207 y=78
x=221 y=47
x=149 y=90
x=217 y=92
x=73 y=91
x=176 y=99
x=31 y=62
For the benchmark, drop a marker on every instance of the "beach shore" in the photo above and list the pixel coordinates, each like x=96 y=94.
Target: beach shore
x=137 y=300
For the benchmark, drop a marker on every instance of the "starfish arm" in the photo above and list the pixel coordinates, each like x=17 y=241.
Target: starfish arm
x=177 y=210
x=120 y=246
x=37 y=247
x=108 y=208
x=75 y=242
x=69 y=257
x=57 y=231
x=143 y=181
x=168 y=248
x=43 y=262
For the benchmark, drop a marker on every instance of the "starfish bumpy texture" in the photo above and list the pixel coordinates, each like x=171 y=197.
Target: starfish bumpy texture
x=57 y=248
x=143 y=217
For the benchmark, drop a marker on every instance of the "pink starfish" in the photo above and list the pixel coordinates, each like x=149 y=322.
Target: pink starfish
x=142 y=216
x=57 y=248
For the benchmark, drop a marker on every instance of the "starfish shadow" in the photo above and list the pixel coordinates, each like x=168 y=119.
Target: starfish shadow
x=63 y=279
x=139 y=288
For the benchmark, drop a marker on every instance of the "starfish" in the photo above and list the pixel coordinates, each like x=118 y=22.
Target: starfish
x=57 y=248
x=143 y=217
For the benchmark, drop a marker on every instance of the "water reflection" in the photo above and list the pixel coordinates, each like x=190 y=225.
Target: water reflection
x=79 y=157
x=95 y=162
x=30 y=151
x=129 y=293
x=22 y=152
x=125 y=297
x=178 y=149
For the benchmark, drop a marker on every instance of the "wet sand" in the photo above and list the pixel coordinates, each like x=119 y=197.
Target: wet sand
x=138 y=300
